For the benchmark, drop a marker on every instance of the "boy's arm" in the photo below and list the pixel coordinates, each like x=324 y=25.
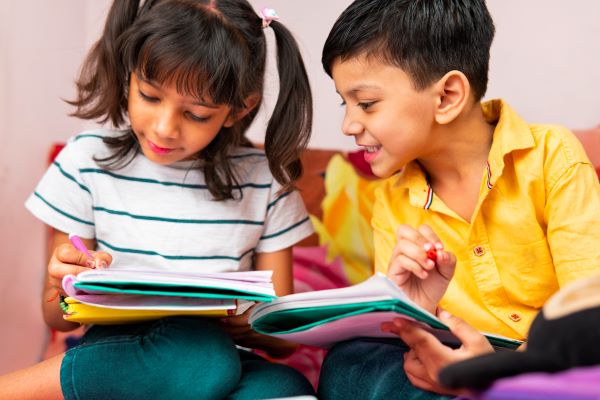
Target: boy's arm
x=572 y=215
x=427 y=355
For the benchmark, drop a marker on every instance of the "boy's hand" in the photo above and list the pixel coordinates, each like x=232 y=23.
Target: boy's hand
x=243 y=335
x=66 y=259
x=427 y=355
x=420 y=266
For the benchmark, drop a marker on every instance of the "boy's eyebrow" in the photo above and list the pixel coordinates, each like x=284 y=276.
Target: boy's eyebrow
x=360 y=87
x=195 y=103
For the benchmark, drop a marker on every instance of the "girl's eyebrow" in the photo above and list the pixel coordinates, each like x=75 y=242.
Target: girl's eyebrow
x=197 y=102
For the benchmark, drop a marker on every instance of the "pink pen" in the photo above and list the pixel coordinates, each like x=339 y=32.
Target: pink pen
x=76 y=240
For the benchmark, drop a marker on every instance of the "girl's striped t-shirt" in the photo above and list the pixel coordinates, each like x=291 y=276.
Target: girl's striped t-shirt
x=151 y=216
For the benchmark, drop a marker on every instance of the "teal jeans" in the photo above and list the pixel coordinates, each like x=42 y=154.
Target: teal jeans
x=368 y=369
x=172 y=358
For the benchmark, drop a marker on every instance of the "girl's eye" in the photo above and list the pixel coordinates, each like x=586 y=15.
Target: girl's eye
x=195 y=117
x=366 y=105
x=147 y=98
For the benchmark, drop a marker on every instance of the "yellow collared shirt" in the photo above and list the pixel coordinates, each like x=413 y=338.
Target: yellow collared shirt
x=535 y=228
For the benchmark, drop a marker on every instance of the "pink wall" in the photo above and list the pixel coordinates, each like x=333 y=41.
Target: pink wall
x=545 y=61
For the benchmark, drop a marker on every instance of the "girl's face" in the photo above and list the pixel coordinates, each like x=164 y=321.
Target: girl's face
x=391 y=120
x=169 y=126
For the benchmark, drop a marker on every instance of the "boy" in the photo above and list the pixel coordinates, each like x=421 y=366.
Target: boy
x=508 y=212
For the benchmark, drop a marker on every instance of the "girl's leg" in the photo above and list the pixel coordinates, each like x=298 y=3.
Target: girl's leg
x=262 y=379
x=40 y=381
x=368 y=369
x=173 y=358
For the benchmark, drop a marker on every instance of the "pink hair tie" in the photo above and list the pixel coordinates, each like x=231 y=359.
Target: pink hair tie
x=268 y=15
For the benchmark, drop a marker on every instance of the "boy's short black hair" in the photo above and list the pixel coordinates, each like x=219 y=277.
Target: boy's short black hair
x=425 y=38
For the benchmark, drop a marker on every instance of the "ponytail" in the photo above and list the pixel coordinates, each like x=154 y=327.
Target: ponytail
x=102 y=83
x=289 y=128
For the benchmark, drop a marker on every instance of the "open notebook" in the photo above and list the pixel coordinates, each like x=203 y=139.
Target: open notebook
x=323 y=318
x=120 y=296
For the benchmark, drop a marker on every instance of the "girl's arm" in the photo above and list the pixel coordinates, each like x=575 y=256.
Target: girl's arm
x=65 y=259
x=280 y=262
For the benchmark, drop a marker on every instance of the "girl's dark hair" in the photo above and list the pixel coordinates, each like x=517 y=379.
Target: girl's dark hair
x=205 y=47
x=425 y=38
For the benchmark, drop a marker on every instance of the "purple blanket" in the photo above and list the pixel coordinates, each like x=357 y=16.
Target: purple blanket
x=573 y=384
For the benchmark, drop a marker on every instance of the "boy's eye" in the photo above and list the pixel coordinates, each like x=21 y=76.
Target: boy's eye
x=343 y=103
x=147 y=98
x=366 y=105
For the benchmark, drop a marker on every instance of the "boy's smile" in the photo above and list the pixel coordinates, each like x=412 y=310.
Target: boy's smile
x=391 y=120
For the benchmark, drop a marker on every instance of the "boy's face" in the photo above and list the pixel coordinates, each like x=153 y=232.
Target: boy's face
x=170 y=126
x=388 y=118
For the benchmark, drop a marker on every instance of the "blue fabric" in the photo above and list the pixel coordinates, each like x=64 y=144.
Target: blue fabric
x=368 y=369
x=172 y=358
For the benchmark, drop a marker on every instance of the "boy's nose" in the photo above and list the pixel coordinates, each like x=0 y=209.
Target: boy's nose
x=351 y=127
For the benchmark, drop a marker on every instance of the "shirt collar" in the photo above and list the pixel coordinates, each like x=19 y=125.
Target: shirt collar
x=511 y=133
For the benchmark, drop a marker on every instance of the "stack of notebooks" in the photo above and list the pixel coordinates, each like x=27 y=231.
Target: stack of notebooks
x=120 y=296
x=323 y=318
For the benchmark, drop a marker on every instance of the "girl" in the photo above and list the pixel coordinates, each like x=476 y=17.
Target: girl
x=176 y=185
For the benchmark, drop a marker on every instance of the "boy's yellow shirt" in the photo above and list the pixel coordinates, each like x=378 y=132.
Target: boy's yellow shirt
x=535 y=228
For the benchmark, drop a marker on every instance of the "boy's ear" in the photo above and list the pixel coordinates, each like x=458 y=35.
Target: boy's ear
x=249 y=103
x=453 y=92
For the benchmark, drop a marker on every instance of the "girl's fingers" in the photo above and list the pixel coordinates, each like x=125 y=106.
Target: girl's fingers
x=68 y=254
x=101 y=259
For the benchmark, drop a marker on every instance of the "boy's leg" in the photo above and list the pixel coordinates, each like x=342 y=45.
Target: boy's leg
x=368 y=369
x=262 y=379
x=173 y=358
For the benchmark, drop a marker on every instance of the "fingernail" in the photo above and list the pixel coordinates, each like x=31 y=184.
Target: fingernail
x=90 y=263
x=427 y=246
x=445 y=314
x=101 y=264
x=439 y=246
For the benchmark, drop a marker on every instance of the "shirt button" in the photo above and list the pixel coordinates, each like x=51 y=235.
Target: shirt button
x=479 y=251
x=515 y=317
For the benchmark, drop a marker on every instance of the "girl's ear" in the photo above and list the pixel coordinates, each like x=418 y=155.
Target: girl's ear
x=453 y=92
x=249 y=103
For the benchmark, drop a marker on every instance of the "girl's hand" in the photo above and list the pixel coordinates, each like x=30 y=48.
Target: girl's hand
x=424 y=280
x=427 y=355
x=243 y=335
x=66 y=259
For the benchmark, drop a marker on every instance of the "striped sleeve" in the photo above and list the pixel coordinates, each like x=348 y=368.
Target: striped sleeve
x=286 y=223
x=62 y=199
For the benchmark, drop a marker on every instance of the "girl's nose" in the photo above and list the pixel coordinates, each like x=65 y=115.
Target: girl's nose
x=166 y=125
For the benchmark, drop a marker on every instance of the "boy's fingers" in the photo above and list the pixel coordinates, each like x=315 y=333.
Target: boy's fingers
x=415 y=336
x=446 y=264
x=470 y=337
x=402 y=264
x=428 y=234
